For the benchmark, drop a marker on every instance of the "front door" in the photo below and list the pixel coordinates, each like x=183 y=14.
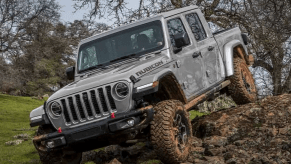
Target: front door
x=190 y=69
x=207 y=47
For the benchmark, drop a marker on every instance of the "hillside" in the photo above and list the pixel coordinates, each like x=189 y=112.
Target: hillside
x=14 y=128
x=256 y=133
x=251 y=133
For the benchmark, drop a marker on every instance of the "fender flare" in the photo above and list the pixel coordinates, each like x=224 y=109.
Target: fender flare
x=162 y=73
x=228 y=56
x=180 y=96
x=38 y=117
x=37 y=112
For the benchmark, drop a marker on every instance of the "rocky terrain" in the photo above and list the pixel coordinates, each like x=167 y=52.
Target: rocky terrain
x=256 y=133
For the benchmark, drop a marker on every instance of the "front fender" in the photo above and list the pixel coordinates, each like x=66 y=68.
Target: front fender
x=38 y=117
x=147 y=83
x=37 y=112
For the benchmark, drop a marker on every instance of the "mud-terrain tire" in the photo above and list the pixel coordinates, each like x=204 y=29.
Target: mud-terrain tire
x=54 y=156
x=171 y=122
x=242 y=88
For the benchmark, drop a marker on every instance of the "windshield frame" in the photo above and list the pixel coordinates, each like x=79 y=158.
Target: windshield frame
x=118 y=31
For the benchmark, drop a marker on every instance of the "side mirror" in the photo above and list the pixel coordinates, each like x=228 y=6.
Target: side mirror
x=181 y=40
x=70 y=71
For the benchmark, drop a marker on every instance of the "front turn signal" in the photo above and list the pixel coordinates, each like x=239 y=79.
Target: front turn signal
x=112 y=115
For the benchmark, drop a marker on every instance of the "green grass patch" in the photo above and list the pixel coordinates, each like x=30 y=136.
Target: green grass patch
x=14 y=120
x=195 y=113
x=90 y=162
x=100 y=149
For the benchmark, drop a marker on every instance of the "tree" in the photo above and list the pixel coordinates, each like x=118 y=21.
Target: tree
x=15 y=16
x=119 y=11
x=41 y=68
x=267 y=24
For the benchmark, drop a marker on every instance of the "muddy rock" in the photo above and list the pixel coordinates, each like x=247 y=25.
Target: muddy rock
x=257 y=133
x=198 y=150
x=216 y=141
x=196 y=142
x=217 y=151
x=114 y=161
x=215 y=160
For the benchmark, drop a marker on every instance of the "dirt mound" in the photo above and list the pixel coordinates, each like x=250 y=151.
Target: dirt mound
x=252 y=133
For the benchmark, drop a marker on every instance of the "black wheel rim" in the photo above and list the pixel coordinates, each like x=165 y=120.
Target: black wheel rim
x=181 y=132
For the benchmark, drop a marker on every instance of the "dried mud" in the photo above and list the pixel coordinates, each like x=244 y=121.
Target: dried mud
x=256 y=133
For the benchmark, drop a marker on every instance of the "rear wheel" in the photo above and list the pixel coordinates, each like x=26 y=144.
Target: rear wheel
x=171 y=131
x=54 y=156
x=242 y=88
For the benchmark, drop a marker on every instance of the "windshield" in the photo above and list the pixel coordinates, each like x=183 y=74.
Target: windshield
x=137 y=40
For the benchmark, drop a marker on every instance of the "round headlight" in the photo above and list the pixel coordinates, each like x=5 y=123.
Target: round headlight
x=56 y=109
x=121 y=90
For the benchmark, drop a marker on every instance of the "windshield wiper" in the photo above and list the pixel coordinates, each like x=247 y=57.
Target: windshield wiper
x=93 y=67
x=124 y=57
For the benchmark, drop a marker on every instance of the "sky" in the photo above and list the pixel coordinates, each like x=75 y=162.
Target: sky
x=67 y=10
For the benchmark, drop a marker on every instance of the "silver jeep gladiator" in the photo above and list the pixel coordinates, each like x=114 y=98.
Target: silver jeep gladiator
x=138 y=82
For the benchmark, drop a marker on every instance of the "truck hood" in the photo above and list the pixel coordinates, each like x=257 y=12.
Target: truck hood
x=137 y=68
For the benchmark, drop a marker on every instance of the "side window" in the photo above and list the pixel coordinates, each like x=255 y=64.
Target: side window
x=175 y=26
x=196 y=26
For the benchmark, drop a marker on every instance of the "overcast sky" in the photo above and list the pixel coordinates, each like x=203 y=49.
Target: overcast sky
x=67 y=10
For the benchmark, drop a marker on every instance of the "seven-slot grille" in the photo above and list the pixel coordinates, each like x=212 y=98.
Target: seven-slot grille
x=88 y=105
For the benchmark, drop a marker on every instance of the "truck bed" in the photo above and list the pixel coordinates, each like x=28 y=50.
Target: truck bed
x=225 y=36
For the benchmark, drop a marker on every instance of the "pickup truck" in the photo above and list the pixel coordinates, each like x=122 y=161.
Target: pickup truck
x=138 y=82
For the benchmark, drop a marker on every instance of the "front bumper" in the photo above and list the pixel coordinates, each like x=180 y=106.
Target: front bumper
x=80 y=137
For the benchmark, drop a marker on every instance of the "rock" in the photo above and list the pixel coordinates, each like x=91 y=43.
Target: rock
x=255 y=110
x=114 y=161
x=215 y=160
x=230 y=147
x=46 y=95
x=21 y=136
x=276 y=141
x=216 y=140
x=223 y=118
x=274 y=131
x=199 y=161
x=15 y=142
x=218 y=151
x=115 y=149
x=227 y=156
x=196 y=142
x=231 y=161
x=239 y=142
x=199 y=150
x=283 y=131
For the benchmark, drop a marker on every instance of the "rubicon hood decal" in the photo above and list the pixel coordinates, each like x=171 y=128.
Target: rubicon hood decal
x=149 y=68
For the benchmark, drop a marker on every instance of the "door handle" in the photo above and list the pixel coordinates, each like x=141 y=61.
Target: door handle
x=196 y=54
x=210 y=48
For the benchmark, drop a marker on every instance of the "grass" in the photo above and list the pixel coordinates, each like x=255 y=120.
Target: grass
x=14 y=120
x=195 y=113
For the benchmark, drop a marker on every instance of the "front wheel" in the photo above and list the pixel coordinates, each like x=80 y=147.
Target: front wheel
x=54 y=156
x=171 y=131
x=242 y=88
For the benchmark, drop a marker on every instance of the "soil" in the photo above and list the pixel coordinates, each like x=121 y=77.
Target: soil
x=256 y=133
